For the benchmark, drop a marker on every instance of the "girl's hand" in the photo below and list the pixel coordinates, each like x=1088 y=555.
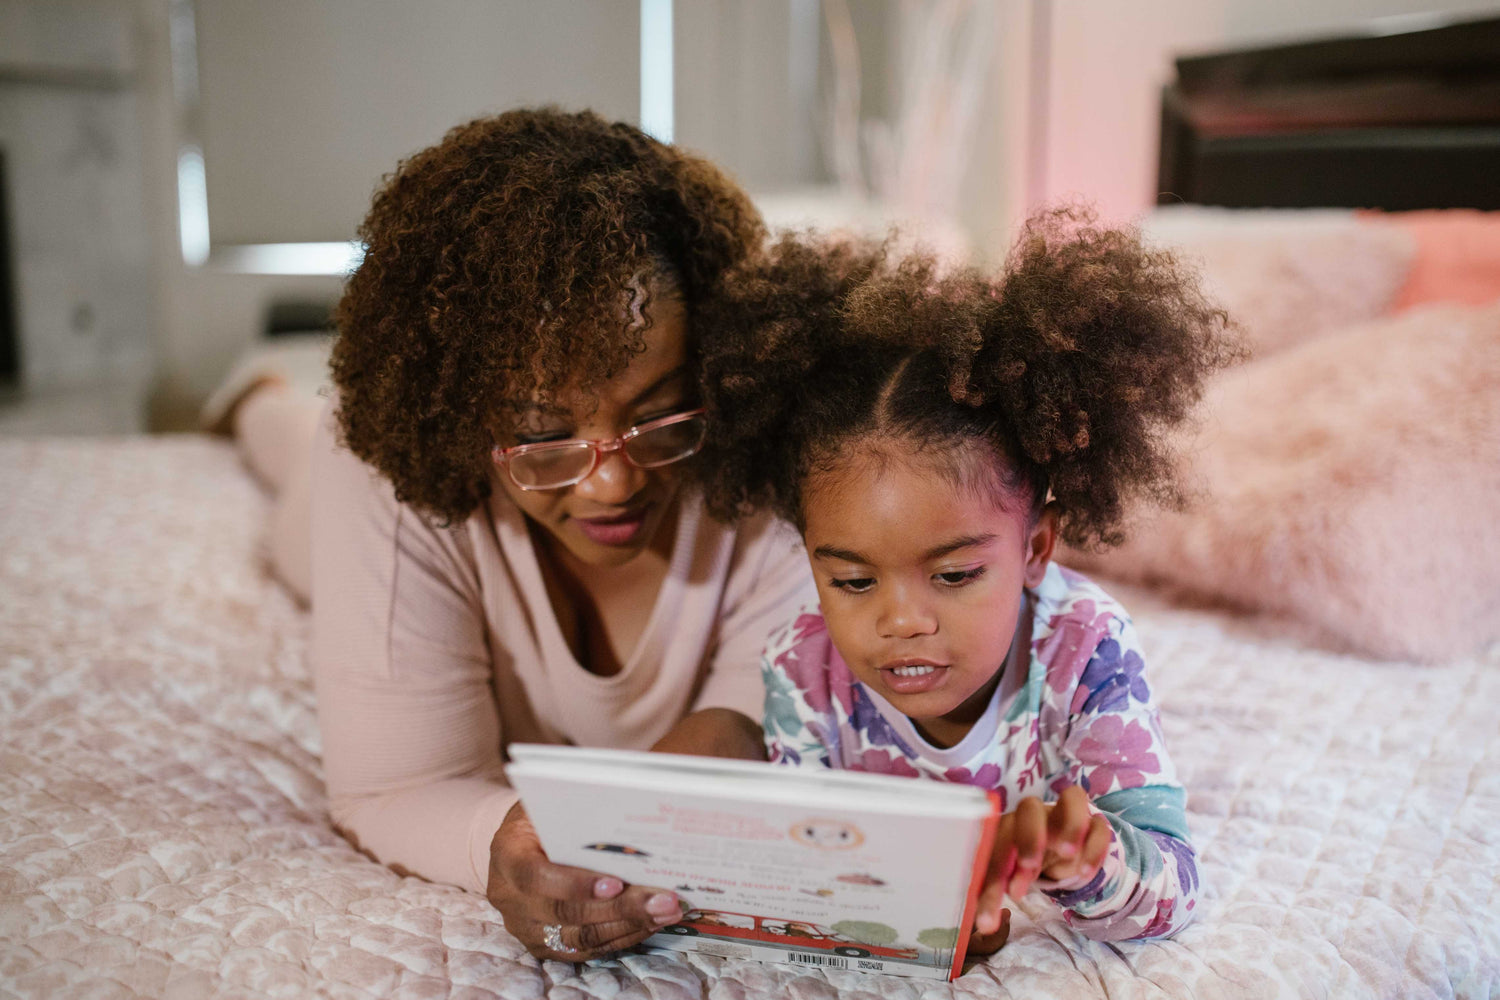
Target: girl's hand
x=1065 y=840
x=590 y=914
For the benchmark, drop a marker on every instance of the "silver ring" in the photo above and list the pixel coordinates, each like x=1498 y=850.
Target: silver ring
x=552 y=938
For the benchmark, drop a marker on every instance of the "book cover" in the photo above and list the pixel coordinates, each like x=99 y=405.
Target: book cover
x=836 y=869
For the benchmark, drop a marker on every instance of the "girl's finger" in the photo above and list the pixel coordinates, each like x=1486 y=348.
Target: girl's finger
x=1031 y=843
x=1096 y=846
x=1068 y=822
x=988 y=944
x=987 y=913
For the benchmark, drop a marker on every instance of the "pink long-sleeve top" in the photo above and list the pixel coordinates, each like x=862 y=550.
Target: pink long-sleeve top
x=434 y=648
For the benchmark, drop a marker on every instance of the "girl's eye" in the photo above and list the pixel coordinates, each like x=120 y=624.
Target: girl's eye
x=857 y=585
x=960 y=577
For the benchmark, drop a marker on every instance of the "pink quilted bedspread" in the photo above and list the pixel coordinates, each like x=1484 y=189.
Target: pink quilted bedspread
x=164 y=833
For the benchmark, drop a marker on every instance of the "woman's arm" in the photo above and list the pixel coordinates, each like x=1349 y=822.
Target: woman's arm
x=715 y=732
x=769 y=584
x=411 y=735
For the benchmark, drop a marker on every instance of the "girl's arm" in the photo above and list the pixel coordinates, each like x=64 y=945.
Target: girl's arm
x=1148 y=883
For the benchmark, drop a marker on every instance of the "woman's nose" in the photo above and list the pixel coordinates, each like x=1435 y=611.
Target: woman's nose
x=613 y=481
x=903 y=615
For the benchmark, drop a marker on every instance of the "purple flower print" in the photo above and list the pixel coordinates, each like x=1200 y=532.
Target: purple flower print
x=1110 y=680
x=1074 y=635
x=1116 y=751
x=866 y=719
x=987 y=777
x=1161 y=923
x=803 y=660
x=883 y=762
x=1182 y=853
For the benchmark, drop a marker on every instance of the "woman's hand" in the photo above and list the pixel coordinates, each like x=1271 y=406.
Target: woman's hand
x=1065 y=840
x=588 y=914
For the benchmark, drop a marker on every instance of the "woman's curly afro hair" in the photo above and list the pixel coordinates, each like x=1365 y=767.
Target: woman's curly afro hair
x=500 y=268
x=1067 y=369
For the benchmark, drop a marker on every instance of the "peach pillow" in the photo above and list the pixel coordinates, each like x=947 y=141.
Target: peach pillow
x=1457 y=256
x=1352 y=482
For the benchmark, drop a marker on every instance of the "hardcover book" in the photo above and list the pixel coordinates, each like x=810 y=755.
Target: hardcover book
x=837 y=869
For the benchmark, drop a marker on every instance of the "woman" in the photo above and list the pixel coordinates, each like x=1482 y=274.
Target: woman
x=505 y=544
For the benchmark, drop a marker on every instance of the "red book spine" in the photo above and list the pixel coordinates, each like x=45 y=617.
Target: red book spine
x=976 y=883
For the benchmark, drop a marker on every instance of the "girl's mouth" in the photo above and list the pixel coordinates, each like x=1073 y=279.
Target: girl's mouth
x=912 y=676
x=617 y=529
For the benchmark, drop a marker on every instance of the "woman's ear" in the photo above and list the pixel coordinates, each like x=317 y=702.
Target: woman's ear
x=1039 y=545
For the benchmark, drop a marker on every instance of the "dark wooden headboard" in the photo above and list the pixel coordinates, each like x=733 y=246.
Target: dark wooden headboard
x=1398 y=121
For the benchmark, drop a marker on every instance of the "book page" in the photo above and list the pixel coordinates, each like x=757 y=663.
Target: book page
x=861 y=883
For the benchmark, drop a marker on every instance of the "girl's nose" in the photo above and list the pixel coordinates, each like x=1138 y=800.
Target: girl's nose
x=614 y=481
x=904 y=616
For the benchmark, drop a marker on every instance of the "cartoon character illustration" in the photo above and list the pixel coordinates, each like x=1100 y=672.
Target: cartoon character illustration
x=617 y=849
x=796 y=934
x=859 y=878
x=830 y=834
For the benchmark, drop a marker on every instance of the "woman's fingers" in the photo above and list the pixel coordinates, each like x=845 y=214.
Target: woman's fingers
x=592 y=911
x=578 y=944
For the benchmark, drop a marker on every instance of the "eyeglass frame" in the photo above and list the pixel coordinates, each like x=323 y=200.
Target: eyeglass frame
x=502 y=456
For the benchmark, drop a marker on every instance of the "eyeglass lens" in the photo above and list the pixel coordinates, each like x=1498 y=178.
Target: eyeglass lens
x=559 y=466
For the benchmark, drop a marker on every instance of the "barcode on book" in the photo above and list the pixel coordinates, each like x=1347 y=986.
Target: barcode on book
x=803 y=958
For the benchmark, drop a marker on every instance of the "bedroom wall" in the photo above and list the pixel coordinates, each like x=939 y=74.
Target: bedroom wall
x=1108 y=63
x=69 y=101
x=1069 y=108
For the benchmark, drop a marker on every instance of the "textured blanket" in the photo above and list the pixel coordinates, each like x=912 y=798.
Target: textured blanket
x=164 y=832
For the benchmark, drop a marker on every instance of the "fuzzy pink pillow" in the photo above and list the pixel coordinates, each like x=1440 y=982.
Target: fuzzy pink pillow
x=1352 y=482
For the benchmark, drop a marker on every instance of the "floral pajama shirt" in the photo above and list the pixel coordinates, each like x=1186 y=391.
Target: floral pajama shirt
x=1082 y=715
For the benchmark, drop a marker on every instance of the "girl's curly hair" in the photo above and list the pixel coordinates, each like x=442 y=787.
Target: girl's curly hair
x=1070 y=367
x=501 y=266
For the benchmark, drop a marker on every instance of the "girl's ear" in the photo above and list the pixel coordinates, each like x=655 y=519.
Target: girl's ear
x=1039 y=545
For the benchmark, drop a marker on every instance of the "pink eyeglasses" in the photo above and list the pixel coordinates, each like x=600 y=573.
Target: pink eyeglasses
x=551 y=465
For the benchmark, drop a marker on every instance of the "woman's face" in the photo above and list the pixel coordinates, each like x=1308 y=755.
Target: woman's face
x=614 y=514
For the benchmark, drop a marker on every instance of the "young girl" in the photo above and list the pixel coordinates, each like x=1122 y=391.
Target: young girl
x=932 y=437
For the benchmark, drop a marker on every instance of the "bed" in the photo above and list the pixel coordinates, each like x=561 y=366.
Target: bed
x=164 y=831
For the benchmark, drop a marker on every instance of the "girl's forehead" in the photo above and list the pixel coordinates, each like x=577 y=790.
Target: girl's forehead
x=876 y=489
x=965 y=470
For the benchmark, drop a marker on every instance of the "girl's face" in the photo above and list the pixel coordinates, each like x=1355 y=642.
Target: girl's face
x=613 y=515
x=920 y=577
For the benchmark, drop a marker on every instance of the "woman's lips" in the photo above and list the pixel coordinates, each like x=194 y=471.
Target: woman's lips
x=617 y=529
x=912 y=676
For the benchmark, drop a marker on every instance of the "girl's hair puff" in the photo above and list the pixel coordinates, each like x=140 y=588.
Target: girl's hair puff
x=1071 y=367
x=501 y=267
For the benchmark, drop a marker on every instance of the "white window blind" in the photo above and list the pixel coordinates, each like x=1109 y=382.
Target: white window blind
x=305 y=104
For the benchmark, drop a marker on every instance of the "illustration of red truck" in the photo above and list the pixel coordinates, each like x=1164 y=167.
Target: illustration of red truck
x=796 y=934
